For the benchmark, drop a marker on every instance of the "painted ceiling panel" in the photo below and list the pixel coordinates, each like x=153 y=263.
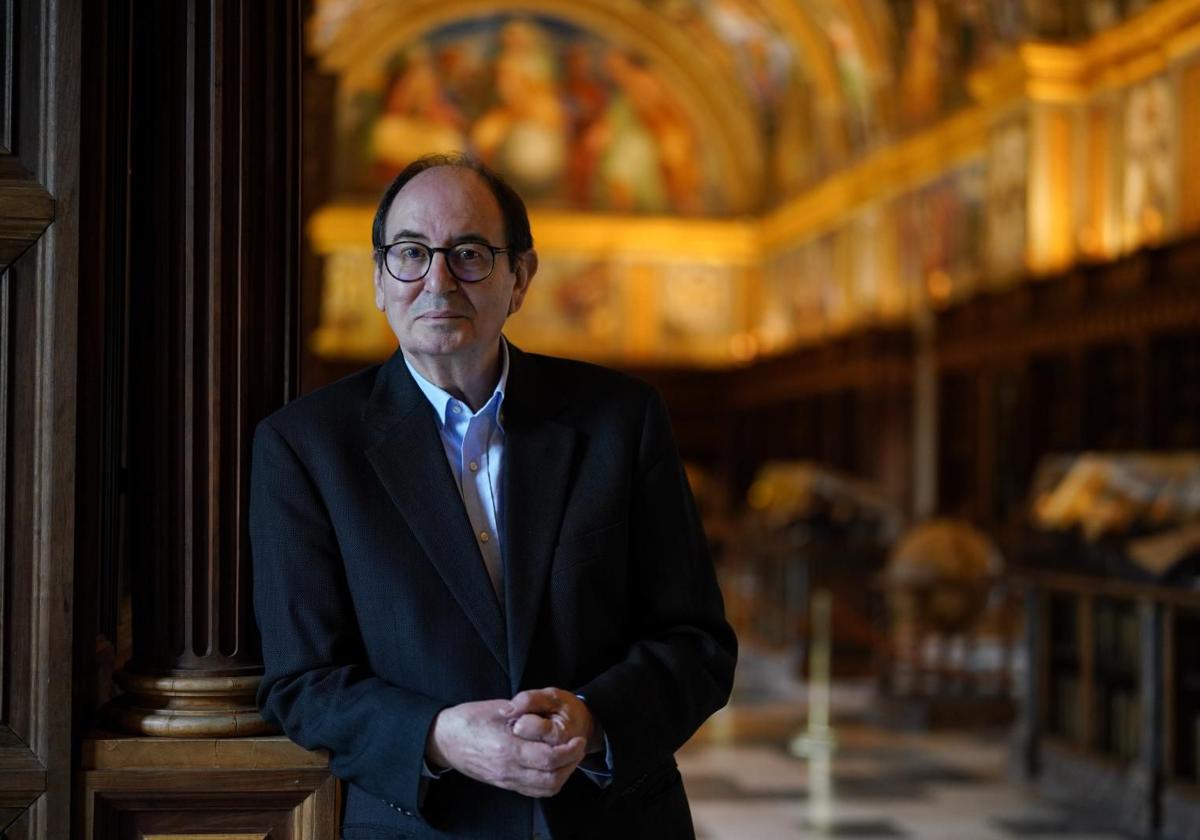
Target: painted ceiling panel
x=685 y=107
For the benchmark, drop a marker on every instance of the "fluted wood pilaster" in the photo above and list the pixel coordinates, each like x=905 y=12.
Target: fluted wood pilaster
x=212 y=315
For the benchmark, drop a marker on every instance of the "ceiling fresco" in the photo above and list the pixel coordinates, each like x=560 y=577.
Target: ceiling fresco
x=575 y=121
x=682 y=107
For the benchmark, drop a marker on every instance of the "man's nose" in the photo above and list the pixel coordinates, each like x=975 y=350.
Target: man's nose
x=439 y=279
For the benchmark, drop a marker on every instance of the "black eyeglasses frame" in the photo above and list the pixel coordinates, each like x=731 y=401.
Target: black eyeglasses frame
x=382 y=250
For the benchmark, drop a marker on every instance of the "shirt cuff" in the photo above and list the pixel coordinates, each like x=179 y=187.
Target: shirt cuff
x=599 y=767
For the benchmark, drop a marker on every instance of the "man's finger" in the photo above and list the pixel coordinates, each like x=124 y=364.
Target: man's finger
x=536 y=701
x=540 y=783
x=537 y=728
x=535 y=755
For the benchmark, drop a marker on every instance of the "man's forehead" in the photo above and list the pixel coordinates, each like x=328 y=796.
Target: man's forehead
x=445 y=197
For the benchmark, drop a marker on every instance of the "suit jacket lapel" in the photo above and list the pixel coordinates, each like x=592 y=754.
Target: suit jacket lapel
x=410 y=461
x=537 y=452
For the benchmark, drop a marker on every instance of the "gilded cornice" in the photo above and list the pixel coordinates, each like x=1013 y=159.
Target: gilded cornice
x=1141 y=47
x=955 y=141
x=661 y=240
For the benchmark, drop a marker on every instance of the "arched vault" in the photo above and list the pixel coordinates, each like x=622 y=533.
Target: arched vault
x=354 y=39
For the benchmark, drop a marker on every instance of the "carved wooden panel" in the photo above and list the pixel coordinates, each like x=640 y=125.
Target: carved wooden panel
x=39 y=73
x=214 y=789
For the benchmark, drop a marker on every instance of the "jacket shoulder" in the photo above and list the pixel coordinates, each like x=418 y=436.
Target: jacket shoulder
x=336 y=405
x=587 y=382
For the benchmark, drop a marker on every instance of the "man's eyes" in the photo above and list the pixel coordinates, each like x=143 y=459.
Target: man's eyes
x=468 y=253
x=412 y=253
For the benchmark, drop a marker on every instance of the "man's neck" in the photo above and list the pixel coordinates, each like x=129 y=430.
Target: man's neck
x=470 y=379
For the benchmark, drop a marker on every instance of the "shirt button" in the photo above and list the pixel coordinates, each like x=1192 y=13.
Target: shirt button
x=483 y=536
x=474 y=466
x=456 y=408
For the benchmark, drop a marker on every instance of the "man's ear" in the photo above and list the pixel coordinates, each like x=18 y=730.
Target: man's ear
x=380 y=279
x=527 y=266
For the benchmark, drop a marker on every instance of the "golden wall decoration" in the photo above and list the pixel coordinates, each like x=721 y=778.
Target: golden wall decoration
x=1189 y=145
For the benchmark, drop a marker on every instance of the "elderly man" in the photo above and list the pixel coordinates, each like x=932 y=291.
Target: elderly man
x=479 y=575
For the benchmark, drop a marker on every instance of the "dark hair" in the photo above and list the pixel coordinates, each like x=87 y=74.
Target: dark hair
x=517 y=235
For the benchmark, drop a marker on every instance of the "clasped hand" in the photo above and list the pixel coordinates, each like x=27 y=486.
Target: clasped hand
x=529 y=744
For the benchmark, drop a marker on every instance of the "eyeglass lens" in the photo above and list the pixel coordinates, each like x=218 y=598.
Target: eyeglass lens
x=469 y=262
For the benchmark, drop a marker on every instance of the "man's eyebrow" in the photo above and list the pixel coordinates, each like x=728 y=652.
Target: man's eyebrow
x=406 y=235
x=412 y=235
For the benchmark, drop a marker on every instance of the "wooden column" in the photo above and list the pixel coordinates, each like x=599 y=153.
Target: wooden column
x=213 y=210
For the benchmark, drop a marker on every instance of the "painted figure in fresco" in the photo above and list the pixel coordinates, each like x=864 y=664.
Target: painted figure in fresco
x=855 y=78
x=763 y=55
x=418 y=117
x=920 y=79
x=570 y=119
x=587 y=99
x=1149 y=183
x=525 y=133
x=628 y=174
x=645 y=109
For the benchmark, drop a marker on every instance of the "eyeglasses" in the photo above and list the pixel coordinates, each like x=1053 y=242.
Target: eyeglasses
x=469 y=262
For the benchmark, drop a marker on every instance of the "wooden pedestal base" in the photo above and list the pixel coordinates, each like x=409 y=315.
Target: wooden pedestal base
x=245 y=788
x=187 y=707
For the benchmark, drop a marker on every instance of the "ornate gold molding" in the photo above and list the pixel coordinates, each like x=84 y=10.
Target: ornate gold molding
x=1033 y=73
x=955 y=141
x=657 y=239
x=1141 y=47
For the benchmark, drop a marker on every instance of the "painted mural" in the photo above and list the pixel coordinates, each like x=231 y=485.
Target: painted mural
x=800 y=292
x=578 y=302
x=756 y=53
x=1008 y=174
x=947 y=218
x=934 y=44
x=580 y=123
x=571 y=120
x=1149 y=177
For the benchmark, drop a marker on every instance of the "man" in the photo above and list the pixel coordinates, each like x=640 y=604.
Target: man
x=479 y=575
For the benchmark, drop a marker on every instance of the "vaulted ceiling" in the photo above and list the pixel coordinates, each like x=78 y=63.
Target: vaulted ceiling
x=773 y=94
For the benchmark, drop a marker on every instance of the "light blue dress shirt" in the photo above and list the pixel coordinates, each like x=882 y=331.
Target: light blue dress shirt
x=474 y=446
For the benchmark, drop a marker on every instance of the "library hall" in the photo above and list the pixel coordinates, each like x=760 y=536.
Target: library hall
x=599 y=419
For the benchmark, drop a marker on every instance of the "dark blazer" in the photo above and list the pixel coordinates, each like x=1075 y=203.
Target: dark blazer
x=376 y=610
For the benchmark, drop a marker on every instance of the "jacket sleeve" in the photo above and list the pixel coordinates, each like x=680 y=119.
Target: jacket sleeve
x=318 y=686
x=679 y=669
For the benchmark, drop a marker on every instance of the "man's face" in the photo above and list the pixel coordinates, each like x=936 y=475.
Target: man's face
x=439 y=315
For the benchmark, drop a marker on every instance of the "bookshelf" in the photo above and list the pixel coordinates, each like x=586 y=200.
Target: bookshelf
x=1062 y=718
x=1112 y=718
x=1183 y=696
x=1115 y=678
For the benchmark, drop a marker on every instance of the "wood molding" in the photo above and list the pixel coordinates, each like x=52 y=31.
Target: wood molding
x=26 y=209
x=39 y=247
x=210 y=788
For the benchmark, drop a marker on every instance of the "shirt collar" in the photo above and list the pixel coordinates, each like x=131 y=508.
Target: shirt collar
x=441 y=399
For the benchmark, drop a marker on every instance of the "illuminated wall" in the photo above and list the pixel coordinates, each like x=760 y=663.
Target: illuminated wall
x=812 y=175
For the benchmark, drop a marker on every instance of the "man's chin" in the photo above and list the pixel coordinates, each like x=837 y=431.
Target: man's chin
x=441 y=343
